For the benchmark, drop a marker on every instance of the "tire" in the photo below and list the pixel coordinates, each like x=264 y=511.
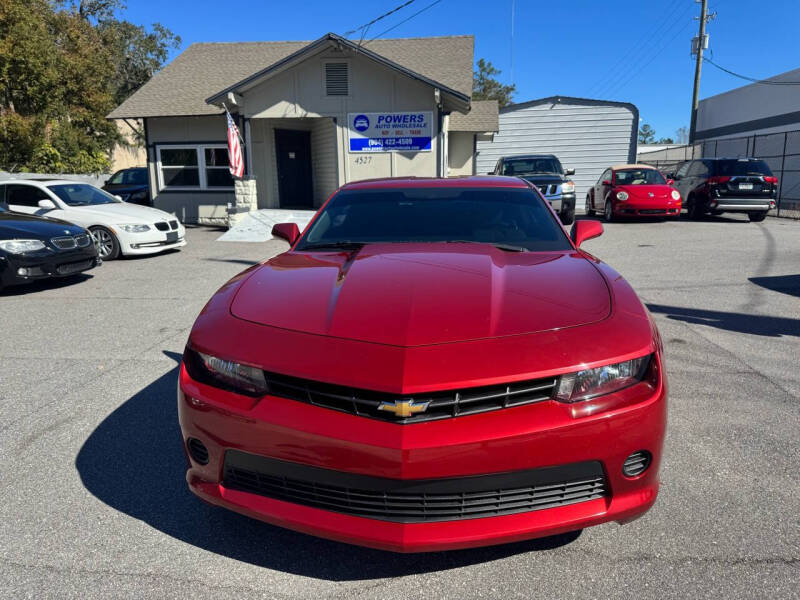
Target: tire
x=757 y=217
x=567 y=216
x=589 y=203
x=608 y=211
x=693 y=211
x=108 y=245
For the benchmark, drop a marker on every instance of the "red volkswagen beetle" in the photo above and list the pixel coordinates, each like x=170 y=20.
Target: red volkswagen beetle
x=633 y=191
x=433 y=364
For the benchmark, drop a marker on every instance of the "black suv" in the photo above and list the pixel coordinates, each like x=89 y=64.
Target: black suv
x=130 y=185
x=718 y=185
x=546 y=173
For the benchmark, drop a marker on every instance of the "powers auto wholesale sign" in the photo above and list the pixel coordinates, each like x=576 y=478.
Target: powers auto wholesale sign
x=390 y=132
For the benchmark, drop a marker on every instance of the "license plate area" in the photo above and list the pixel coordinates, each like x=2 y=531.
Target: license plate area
x=745 y=186
x=172 y=236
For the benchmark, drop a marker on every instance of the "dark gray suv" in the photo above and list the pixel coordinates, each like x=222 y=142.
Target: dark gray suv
x=718 y=185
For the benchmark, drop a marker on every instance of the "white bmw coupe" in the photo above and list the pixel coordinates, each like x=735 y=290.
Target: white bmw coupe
x=118 y=227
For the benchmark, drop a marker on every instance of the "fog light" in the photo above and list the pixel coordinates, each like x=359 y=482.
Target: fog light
x=22 y=272
x=197 y=450
x=637 y=463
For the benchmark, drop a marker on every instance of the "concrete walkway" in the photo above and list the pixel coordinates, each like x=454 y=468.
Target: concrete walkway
x=257 y=225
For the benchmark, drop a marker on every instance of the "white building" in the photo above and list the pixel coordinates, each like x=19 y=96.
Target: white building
x=586 y=135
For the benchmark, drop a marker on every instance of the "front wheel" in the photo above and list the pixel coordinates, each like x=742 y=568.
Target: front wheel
x=567 y=216
x=107 y=243
x=608 y=211
x=757 y=217
x=693 y=210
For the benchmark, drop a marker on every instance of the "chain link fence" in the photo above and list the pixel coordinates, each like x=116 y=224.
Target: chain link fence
x=781 y=151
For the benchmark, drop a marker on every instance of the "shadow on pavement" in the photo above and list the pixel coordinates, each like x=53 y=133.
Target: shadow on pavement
x=730 y=321
x=134 y=462
x=45 y=284
x=785 y=284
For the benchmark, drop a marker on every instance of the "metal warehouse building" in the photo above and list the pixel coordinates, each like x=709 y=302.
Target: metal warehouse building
x=586 y=135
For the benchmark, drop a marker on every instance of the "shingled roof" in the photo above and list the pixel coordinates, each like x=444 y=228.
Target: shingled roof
x=202 y=70
x=483 y=116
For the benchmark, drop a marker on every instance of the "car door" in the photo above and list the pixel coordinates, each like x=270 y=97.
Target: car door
x=602 y=190
x=25 y=198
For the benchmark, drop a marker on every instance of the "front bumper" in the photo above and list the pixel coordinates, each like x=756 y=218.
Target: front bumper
x=561 y=202
x=17 y=269
x=506 y=441
x=151 y=242
x=647 y=208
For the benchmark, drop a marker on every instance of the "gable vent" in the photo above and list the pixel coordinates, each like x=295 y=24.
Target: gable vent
x=336 y=79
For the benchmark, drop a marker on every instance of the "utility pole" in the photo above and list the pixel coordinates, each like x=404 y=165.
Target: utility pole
x=698 y=66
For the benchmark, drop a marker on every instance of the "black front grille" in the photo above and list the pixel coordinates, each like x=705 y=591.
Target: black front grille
x=162 y=226
x=173 y=225
x=83 y=240
x=76 y=267
x=652 y=211
x=64 y=243
x=437 y=405
x=414 y=500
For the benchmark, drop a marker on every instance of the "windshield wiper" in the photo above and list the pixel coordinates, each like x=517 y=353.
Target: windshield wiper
x=340 y=245
x=499 y=246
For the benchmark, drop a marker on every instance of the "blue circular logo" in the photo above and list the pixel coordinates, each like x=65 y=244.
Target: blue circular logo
x=361 y=123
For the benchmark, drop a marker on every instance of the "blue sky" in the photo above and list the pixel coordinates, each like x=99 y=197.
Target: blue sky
x=628 y=50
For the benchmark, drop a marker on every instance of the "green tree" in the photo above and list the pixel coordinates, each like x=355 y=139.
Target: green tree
x=63 y=68
x=647 y=134
x=666 y=140
x=485 y=85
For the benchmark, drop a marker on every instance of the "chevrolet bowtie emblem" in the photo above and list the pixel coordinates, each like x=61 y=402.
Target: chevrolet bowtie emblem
x=404 y=408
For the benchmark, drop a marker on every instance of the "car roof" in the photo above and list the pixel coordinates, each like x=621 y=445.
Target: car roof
x=633 y=166
x=44 y=180
x=464 y=181
x=529 y=156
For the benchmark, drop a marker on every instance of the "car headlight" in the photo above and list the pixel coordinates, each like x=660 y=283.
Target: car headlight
x=135 y=228
x=21 y=246
x=225 y=374
x=676 y=195
x=567 y=187
x=589 y=383
x=622 y=196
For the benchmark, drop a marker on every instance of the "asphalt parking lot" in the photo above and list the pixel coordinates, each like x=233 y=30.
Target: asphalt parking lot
x=93 y=502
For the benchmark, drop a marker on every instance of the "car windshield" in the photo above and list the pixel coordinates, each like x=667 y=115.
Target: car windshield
x=639 y=177
x=531 y=166
x=81 y=194
x=511 y=218
x=742 y=167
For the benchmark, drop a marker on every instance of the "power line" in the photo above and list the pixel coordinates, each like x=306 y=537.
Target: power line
x=619 y=79
x=364 y=28
x=419 y=12
x=603 y=81
x=751 y=79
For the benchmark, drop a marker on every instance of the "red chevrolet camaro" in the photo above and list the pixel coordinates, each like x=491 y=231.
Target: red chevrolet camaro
x=633 y=191
x=433 y=364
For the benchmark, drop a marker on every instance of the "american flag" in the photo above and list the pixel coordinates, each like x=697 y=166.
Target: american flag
x=235 y=157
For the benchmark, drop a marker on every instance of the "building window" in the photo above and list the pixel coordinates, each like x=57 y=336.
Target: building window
x=193 y=167
x=336 y=79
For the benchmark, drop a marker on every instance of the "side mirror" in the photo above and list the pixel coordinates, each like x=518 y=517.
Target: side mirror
x=569 y=172
x=47 y=204
x=288 y=231
x=606 y=182
x=118 y=197
x=585 y=230
x=670 y=181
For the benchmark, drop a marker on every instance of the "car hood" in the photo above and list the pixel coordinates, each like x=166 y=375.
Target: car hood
x=14 y=225
x=422 y=294
x=545 y=179
x=122 y=211
x=647 y=192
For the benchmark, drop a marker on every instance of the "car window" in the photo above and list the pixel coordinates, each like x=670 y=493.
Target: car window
x=81 y=194
x=25 y=195
x=639 y=177
x=683 y=170
x=116 y=178
x=531 y=166
x=135 y=177
x=512 y=216
x=698 y=169
x=2 y=194
x=742 y=167
x=606 y=176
